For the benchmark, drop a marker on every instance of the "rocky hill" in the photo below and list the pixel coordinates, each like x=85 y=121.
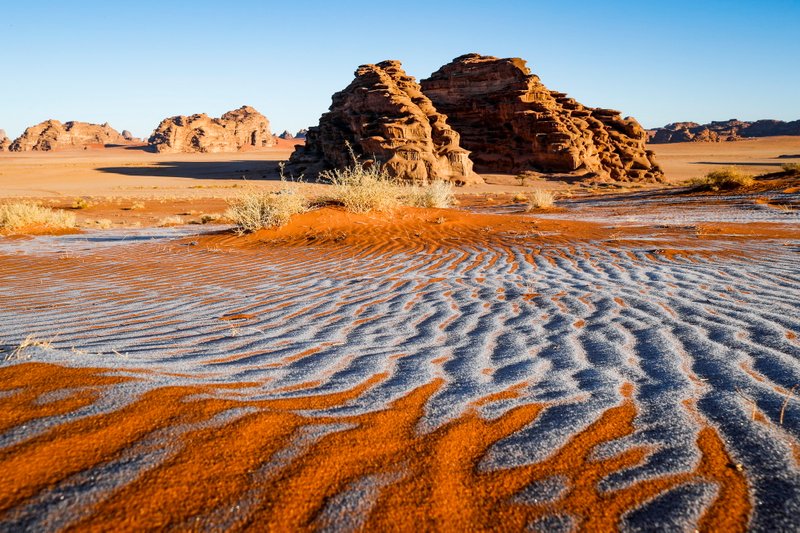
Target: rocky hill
x=53 y=135
x=383 y=115
x=511 y=122
x=722 y=130
x=235 y=131
x=5 y=142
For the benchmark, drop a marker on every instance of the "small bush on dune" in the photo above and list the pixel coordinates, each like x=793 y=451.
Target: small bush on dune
x=540 y=199
x=81 y=203
x=438 y=193
x=723 y=180
x=361 y=189
x=791 y=167
x=255 y=209
x=174 y=220
x=18 y=215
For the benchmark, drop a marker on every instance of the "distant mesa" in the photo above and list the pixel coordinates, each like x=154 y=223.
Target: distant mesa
x=721 y=130
x=235 y=131
x=53 y=135
x=383 y=115
x=511 y=123
x=286 y=135
x=301 y=134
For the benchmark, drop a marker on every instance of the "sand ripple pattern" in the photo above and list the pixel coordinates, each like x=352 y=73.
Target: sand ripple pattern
x=688 y=343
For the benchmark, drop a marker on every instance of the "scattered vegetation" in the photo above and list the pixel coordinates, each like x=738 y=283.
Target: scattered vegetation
x=540 y=199
x=18 y=215
x=254 y=210
x=791 y=167
x=728 y=179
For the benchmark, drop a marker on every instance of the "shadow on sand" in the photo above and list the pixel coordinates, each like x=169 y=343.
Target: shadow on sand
x=217 y=170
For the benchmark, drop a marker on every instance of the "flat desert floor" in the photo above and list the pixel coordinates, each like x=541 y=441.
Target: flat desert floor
x=626 y=361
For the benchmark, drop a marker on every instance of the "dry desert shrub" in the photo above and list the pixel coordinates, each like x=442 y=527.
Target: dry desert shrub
x=210 y=217
x=170 y=221
x=81 y=203
x=18 y=215
x=791 y=167
x=361 y=188
x=540 y=199
x=254 y=210
x=728 y=179
x=134 y=206
x=437 y=193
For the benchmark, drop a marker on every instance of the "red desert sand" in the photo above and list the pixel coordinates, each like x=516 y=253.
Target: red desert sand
x=624 y=360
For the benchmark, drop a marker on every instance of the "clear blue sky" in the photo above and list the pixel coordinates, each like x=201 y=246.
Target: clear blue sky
x=134 y=63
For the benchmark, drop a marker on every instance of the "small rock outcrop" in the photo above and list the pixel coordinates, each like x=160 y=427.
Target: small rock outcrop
x=512 y=123
x=5 y=142
x=721 y=130
x=235 y=131
x=301 y=134
x=286 y=135
x=128 y=136
x=383 y=115
x=53 y=135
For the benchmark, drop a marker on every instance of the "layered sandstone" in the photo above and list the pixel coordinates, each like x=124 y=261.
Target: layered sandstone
x=384 y=117
x=721 y=130
x=512 y=123
x=5 y=142
x=235 y=131
x=53 y=135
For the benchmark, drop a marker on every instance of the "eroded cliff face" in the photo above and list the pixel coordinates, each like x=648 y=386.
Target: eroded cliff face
x=5 y=142
x=383 y=115
x=511 y=122
x=235 y=131
x=53 y=135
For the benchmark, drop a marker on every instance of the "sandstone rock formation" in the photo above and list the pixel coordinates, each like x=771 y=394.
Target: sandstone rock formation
x=53 y=135
x=235 y=131
x=512 y=123
x=128 y=136
x=5 y=142
x=383 y=115
x=286 y=135
x=301 y=134
x=721 y=130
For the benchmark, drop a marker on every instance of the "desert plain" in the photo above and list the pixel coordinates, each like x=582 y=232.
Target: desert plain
x=627 y=359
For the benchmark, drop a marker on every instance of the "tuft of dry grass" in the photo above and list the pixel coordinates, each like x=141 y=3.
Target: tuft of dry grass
x=170 y=221
x=437 y=193
x=727 y=179
x=791 y=167
x=134 y=206
x=31 y=341
x=81 y=203
x=540 y=199
x=254 y=210
x=210 y=217
x=17 y=215
x=361 y=188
